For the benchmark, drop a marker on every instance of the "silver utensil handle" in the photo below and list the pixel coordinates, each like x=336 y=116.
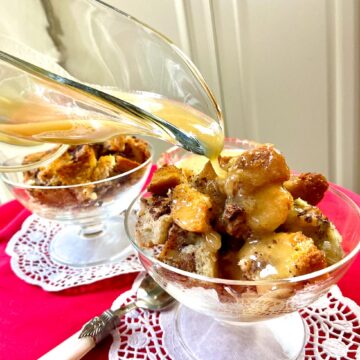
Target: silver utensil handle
x=94 y=331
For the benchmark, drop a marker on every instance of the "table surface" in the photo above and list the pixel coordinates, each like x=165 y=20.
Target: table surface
x=32 y=321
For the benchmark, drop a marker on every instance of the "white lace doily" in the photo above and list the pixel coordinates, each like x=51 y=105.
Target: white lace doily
x=332 y=326
x=30 y=261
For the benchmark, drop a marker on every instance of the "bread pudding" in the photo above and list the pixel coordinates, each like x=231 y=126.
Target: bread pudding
x=87 y=164
x=256 y=221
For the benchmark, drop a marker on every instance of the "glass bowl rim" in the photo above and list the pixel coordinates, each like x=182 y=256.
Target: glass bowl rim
x=221 y=281
x=3 y=177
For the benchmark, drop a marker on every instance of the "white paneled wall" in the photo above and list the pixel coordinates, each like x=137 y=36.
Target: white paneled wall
x=285 y=72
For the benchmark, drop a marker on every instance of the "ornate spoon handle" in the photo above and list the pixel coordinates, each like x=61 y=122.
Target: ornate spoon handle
x=94 y=331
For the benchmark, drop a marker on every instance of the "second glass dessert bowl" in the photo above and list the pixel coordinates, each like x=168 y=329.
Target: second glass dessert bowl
x=227 y=319
x=91 y=212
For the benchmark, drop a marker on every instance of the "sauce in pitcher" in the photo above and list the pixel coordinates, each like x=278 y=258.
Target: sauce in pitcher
x=42 y=123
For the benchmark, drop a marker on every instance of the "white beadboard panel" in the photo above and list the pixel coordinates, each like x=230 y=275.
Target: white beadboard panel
x=231 y=37
x=166 y=16
x=24 y=31
x=202 y=39
x=188 y=24
x=281 y=83
x=344 y=108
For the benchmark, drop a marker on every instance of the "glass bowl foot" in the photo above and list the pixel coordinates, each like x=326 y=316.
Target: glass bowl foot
x=87 y=246
x=203 y=337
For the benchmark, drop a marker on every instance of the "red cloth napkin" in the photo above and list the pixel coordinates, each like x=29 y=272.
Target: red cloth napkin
x=350 y=284
x=12 y=215
x=33 y=321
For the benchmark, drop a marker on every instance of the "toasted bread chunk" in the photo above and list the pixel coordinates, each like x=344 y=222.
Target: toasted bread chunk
x=267 y=208
x=256 y=168
x=206 y=183
x=233 y=220
x=224 y=161
x=153 y=222
x=310 y=220
x=123 y=164
x=190 y=209
x=75 y=166
x=116 y=144
x=165 y=178
x=280 y=255
x=57 y=197
x=136 y=149
x=104 y=168
x=310 y=187
x=35 y=157
x=207 y=173
x=189 y=251
x=31 y=176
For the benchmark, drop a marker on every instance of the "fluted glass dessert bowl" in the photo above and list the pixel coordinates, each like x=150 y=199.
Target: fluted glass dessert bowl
x=227 y=319
x=92 y=213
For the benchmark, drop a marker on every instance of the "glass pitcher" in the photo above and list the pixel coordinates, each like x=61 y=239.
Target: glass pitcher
x=104 y=73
